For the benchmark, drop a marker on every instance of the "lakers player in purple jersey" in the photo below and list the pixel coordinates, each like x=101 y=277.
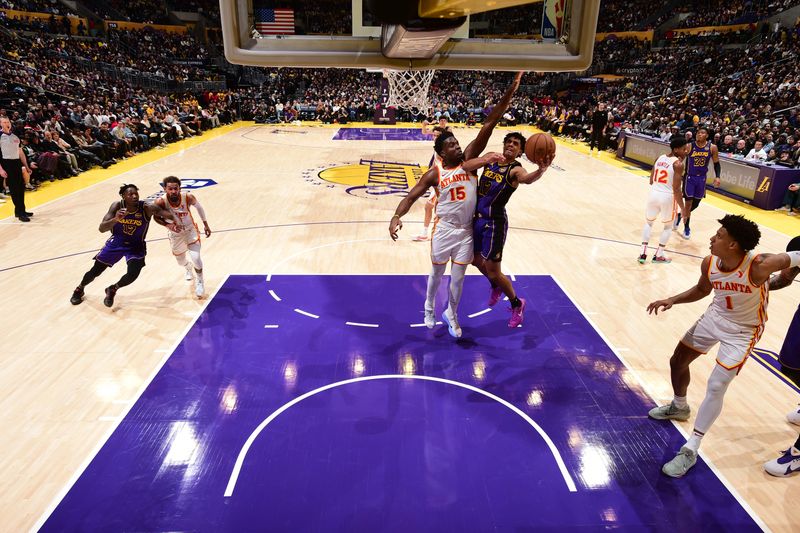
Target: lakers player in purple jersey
x=701 y=153
x=789 y=461
x=128 y=221
x=497 y=183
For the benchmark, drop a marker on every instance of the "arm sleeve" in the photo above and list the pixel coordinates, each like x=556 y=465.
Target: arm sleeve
x=200 y=210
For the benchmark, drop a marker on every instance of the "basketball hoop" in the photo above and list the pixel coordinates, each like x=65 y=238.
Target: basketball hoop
x=408 y=89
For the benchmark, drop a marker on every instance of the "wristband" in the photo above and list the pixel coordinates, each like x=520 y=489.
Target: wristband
x=794 y=259
x=396 y=215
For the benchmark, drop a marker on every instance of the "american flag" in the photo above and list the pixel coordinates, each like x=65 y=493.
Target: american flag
x=274 y=21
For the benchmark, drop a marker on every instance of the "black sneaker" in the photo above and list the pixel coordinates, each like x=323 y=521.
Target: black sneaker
x=111 y=291
x=77 y=296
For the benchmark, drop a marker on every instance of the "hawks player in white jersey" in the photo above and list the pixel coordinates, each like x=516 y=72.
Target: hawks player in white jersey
x=455 y=184
x=448 y=148
x=178 y=203
x=430 y=205
x=665 y=196
x=735 y=319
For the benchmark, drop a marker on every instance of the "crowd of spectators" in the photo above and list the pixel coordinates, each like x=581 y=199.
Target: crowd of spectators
x=724 y=12
x=148 y=11
x=65 y=106
x=733 y=91
x=622 y=15
x=62 y=138
x=208 y=8
x=173 y=57
x=37 y=6
x=521 y=20
x=52 y=24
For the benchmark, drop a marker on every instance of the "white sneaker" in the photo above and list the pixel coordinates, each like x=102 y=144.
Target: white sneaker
x=785 y=465
x=199 y=290
x=794 y=416
x=188 y=276
x=453 y=328
x=430 y=319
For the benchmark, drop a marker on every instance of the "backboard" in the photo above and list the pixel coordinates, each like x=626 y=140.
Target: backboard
x=343 y=33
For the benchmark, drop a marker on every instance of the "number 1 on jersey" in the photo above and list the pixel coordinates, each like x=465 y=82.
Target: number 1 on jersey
x=458 y=194
x=728 y=302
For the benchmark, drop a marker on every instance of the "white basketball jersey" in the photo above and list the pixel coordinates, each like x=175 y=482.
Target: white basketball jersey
x=664 y=174
x=181 y=214
x=457 y=193
x=735 y=297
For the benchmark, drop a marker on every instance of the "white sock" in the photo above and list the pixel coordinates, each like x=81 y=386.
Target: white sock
x=456 y=286
x=644 y=248
x=694 y=441
x=434 y=278
x=680 y=402
x=666 y=233
x=660 y=250
x=648 y=227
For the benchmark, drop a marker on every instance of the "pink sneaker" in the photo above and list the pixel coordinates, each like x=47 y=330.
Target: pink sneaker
x=497 y=293
x=662 y=259
x=516 y=314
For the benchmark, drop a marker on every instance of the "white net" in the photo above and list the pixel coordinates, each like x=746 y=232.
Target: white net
x=408 y=89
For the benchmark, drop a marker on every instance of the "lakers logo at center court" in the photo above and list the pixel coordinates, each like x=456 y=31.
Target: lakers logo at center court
x=368 y=178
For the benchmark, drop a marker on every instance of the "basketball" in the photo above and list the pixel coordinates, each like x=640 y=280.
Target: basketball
x=539 y=147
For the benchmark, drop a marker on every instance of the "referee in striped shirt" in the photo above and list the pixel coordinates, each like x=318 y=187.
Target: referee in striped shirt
x=11 y=163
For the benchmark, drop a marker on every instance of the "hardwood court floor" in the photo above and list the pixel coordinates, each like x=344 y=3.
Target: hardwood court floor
x=69 y=373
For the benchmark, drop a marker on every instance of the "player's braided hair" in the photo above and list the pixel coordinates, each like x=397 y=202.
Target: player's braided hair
x=125 y=187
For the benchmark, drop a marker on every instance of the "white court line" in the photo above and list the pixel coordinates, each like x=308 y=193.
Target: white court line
x=641 y=382
x=362 y=325
x=306 y=313
x=146 y=383
x=270 y=326
x=479 y=313
x=237 y=468
x=108 y=419
x=423 y=325
x=275 y=296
